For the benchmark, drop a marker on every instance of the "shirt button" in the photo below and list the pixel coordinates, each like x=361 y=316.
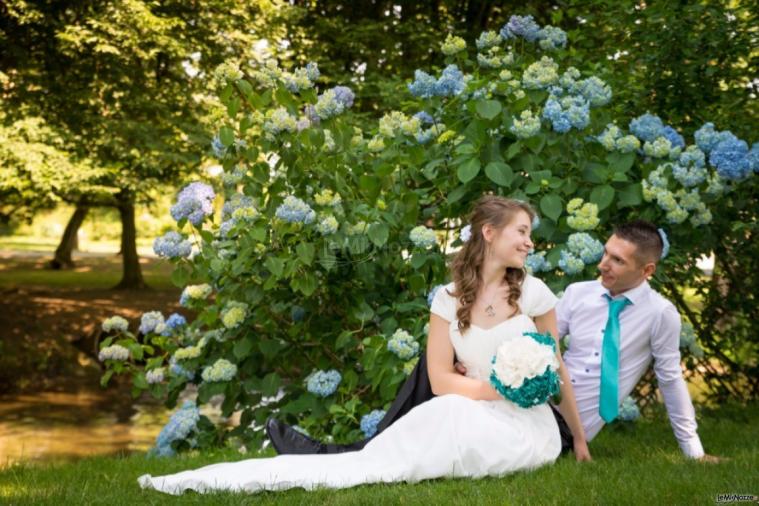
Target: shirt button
x=587 y=370
x=573 y=381
x=596 y=354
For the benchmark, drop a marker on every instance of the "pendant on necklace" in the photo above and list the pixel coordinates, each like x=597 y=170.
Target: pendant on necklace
x=490 y=311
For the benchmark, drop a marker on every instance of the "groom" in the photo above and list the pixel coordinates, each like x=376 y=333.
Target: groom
x=616 y=324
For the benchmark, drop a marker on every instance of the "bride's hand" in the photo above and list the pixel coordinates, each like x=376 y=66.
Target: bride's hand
x=582 y=453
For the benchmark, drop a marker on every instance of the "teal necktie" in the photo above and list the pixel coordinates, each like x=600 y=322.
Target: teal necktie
x=609 y=404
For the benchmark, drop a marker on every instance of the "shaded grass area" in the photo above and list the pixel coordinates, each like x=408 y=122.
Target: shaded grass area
x=632 y=465
x=50 y=319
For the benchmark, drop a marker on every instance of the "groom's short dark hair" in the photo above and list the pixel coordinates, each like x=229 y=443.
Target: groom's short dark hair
x=645 y=236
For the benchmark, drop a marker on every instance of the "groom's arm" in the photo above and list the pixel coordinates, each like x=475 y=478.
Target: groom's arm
x=665 y=346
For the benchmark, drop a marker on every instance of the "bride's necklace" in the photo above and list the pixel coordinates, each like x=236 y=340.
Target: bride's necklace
x=489 y=309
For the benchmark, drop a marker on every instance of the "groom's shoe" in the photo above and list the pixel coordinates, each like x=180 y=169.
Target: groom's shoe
x=288 y=441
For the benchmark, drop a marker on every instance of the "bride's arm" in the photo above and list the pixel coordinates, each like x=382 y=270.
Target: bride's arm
x=568 y=406
x=443 y=377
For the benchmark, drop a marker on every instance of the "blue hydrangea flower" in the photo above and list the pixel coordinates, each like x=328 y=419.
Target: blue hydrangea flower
x=194 y=202
x=706 y=137
x=552 y=38
x=370 y=421
x=424 y=85
x=323 y=383
x=150 y=321
x=328 y=105
x=172 y=245
x=312 y=71
x=570 y=264
x=536 y=262
x=218 y=148
x=594 y=90
x=689 y=176
x=180 y=426
x=173 y=322
x=647 y=127
x=294 y=210
x=344 y=95
x=753 y=157
x=730 y=158
x=234 y=202
x=521 y=26
x=179 y=371
x=588 y=249
x=297 y=313
x=675 y=139
x=450 y=83
x=692 y=156
x=567 y=113
x=431 y=295
x=487 y=40
x=403 y=345
x=424 y=118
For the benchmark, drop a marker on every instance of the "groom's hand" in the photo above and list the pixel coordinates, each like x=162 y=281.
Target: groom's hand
x=460 y=368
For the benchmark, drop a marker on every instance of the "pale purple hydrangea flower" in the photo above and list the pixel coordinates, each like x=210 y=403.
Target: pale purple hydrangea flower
x=194 y=202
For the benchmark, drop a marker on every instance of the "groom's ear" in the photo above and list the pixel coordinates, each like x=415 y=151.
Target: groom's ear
x=649 y=269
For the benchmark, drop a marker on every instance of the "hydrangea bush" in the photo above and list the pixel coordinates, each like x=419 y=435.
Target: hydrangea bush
x=314 y=254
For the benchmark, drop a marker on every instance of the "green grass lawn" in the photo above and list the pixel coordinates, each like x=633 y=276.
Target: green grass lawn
x=23 y=263
x=632 y=465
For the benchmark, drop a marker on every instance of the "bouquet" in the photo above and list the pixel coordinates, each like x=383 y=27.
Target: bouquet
x=524 y=369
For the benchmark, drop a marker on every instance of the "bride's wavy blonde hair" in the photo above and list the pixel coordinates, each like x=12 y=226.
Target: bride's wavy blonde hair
x=466 y=267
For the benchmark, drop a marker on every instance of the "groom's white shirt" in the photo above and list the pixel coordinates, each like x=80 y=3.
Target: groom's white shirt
x=649 y=329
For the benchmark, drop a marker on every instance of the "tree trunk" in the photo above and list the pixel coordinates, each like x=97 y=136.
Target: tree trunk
x=131 y=278
x=69 y=241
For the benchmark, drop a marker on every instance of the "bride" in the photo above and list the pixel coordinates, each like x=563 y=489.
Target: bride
x=469 y=429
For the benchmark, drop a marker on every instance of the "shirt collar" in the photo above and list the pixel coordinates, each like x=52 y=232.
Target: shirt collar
x=634 y=295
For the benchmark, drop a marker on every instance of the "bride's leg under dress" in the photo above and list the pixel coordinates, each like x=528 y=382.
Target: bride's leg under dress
x=449 y=435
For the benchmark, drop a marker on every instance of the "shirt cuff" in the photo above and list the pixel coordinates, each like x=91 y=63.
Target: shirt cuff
x=692 y=448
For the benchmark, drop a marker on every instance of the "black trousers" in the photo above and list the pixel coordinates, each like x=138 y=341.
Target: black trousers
x=417 y=390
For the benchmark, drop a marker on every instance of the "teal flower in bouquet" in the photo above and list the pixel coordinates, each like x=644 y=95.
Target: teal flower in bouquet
x=628 y=410
x=525 y=369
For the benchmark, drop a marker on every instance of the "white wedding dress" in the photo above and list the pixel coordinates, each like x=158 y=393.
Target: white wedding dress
x=447 y=436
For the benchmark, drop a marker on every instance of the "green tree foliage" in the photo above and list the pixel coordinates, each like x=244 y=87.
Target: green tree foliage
x=122 y=86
